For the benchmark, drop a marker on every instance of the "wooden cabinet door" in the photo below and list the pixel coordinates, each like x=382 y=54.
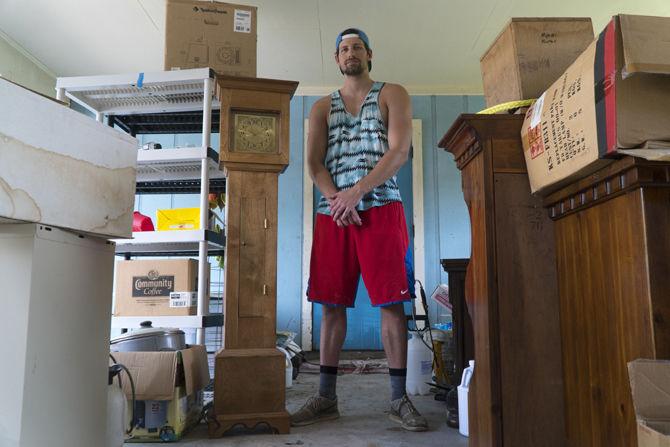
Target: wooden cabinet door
x=484 y=414
x=516 y=394
x=251 y=260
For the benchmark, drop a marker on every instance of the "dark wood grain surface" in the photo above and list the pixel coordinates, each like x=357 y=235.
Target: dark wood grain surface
x=612 y=248
x=511 y=290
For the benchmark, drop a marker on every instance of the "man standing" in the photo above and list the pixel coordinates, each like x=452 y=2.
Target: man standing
x=359 y=137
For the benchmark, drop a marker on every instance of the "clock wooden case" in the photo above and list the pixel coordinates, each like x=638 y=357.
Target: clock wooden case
x=254 y=123
x=249 y=375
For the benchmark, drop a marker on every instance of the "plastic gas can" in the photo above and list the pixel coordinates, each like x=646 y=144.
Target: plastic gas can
x=116 y=411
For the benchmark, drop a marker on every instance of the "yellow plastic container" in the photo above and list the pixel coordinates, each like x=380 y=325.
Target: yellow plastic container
x=178 y=219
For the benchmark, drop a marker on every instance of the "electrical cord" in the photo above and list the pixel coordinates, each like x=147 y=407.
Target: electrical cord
x=424 y=302
x=427 y=328
x=421 y=332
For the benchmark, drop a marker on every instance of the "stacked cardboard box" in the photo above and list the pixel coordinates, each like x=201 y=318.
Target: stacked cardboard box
x=614 y=97
x=211 y=34
x=529 y=54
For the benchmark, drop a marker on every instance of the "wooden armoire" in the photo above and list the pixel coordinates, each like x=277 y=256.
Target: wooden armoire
x=516 y=394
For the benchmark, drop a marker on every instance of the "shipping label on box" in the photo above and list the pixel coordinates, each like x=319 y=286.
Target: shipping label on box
x=242 y=21
x=591 y=112
x=560 y=128
x=183 y=299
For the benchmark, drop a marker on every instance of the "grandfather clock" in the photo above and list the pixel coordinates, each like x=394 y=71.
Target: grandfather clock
x=249 y=380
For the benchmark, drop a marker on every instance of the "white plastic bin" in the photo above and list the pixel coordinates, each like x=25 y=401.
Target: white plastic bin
x=463 y=390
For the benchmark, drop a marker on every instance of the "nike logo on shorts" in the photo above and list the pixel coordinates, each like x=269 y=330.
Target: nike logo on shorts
x=402 y=292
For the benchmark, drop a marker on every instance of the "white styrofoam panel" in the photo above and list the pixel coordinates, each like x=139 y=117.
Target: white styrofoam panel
x=61 y=168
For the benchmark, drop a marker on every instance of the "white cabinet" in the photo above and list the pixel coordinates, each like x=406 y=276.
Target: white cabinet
x=56 y=301
x=181 y=101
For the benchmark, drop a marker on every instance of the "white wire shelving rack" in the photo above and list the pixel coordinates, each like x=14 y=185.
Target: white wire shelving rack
x=168 y=101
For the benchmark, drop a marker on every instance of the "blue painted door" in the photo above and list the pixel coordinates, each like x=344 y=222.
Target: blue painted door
x=364 y=321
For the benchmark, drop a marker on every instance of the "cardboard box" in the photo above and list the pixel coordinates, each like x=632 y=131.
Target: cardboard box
x=168 y=391
x=614 y=96
x=178 y=219
x=211 y=34
x=144 y=287
x=530 y=54
x=650 y=386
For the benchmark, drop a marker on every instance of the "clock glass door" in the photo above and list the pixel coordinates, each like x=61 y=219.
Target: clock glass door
x=255 y=132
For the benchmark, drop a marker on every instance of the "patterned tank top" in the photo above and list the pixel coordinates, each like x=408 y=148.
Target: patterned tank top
x=355 y=146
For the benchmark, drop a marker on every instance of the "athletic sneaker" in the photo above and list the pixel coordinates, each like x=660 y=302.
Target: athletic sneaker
x=316 y=409
x=404 y=413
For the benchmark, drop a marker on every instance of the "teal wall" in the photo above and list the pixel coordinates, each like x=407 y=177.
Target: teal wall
x=289 y=241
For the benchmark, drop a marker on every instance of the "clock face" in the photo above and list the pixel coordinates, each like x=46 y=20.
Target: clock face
x=255 y=133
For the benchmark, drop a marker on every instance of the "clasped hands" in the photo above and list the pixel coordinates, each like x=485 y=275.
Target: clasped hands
x=343 y=207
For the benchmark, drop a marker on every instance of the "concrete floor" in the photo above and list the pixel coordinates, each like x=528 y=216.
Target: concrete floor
x=363 y=399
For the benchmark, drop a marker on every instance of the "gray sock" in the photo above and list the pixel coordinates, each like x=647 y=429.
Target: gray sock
x=328 y=381
x=398 y=382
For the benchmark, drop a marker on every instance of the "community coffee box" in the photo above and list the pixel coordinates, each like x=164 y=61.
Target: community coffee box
x=156 y=287
x=212 y=34
x=613 y=99
x=530 y=54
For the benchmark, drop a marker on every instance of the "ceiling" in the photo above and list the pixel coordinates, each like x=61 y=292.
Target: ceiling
x=430 y=46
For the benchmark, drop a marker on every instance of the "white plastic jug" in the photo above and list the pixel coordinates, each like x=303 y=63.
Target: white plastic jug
x=419 y=366
x=289 y=368
x=116 y=413
x=463 y=390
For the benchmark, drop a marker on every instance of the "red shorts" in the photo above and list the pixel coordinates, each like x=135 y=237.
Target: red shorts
x=376 y=250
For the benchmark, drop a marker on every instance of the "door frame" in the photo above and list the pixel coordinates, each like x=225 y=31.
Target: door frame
x=308 y=227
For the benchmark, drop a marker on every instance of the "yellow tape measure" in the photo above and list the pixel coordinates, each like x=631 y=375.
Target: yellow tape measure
x=505 y=106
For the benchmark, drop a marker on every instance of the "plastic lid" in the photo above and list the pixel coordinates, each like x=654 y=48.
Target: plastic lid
x=146 y=330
